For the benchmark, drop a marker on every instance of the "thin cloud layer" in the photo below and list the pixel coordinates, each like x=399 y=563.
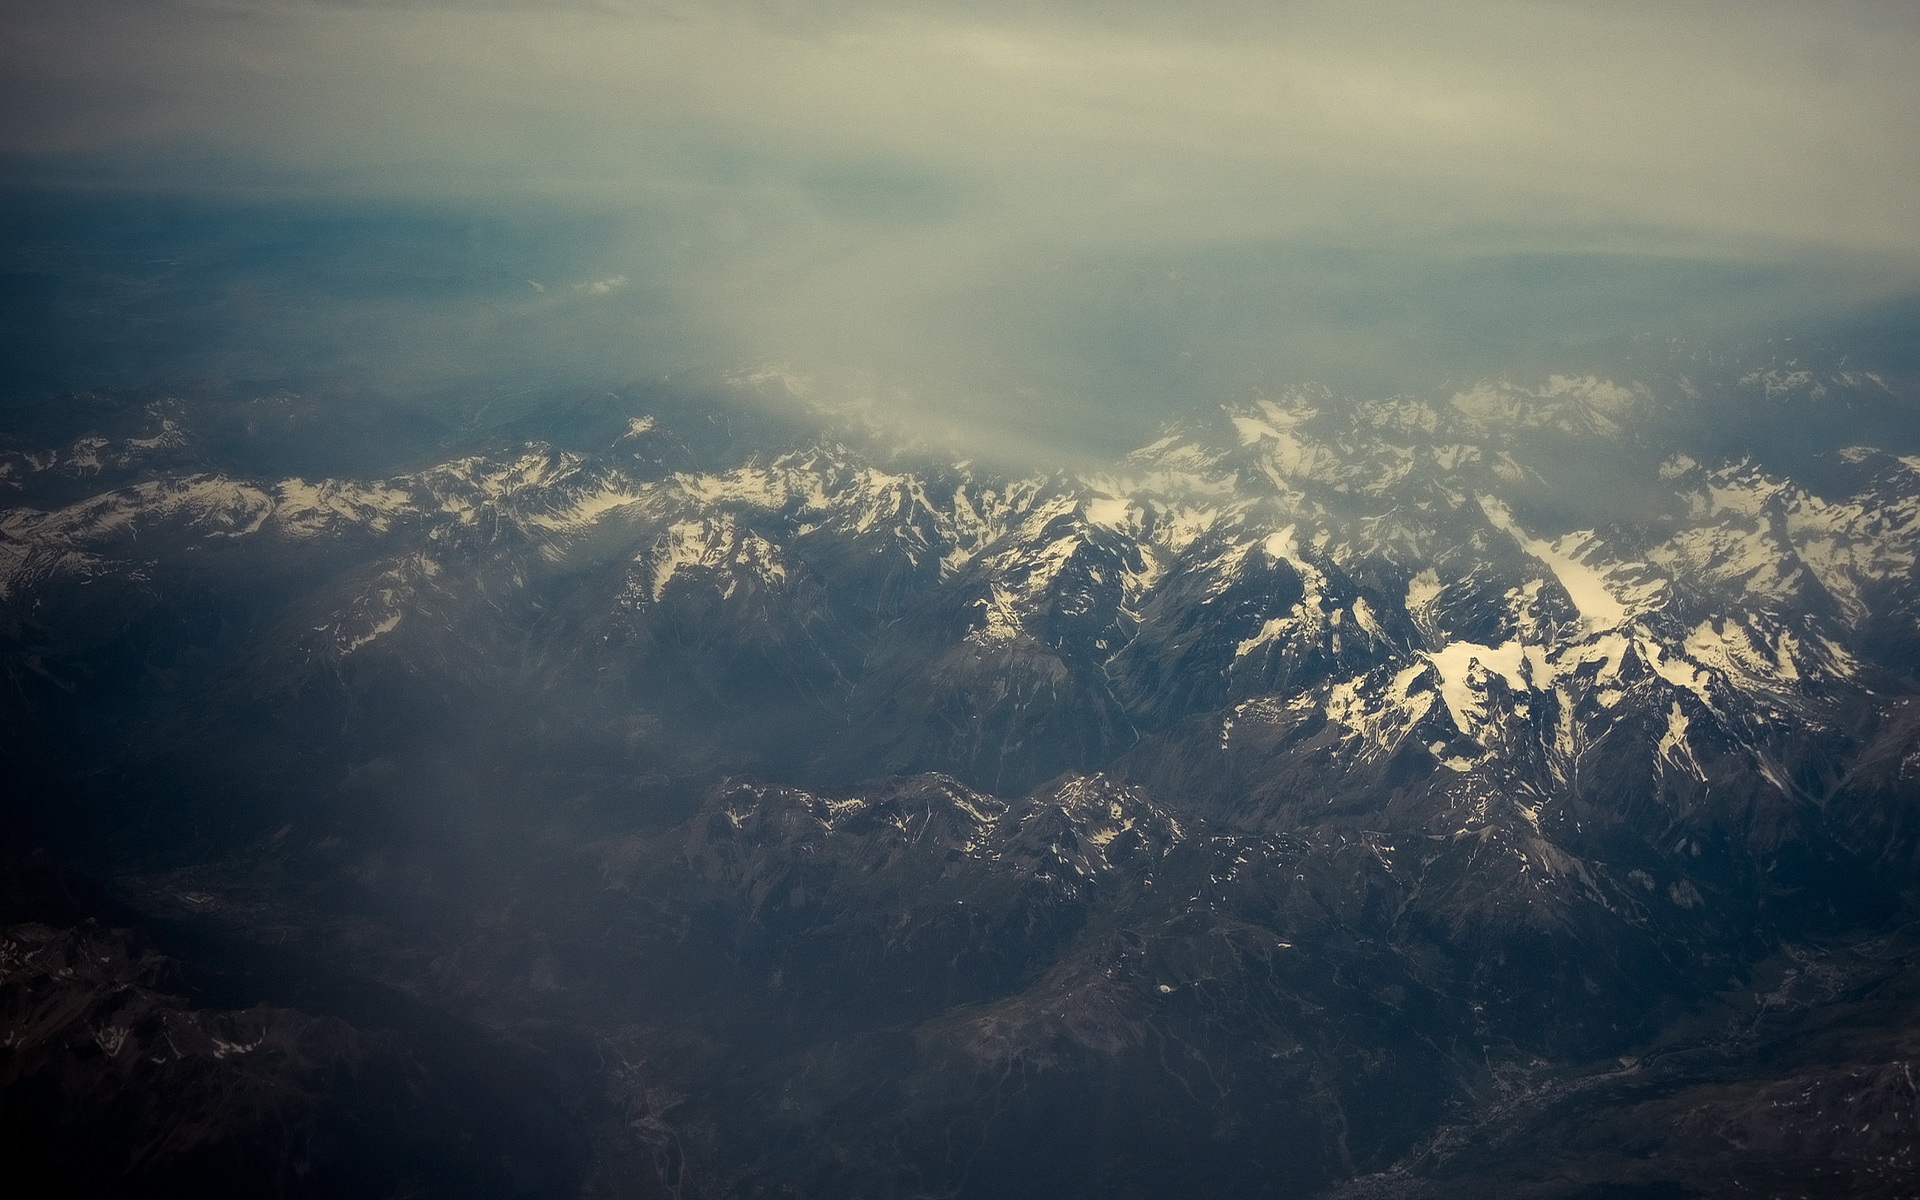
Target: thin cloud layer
x=1004 y=196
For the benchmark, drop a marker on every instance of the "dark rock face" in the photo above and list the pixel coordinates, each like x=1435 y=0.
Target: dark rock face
x=934 y=976
x=1331 y=796
x=126 y=1072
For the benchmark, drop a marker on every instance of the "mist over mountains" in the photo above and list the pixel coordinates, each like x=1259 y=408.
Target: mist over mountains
x=1500 y=789
x=746 y=598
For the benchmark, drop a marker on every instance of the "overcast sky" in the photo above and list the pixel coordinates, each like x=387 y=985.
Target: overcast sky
x=1006 y=209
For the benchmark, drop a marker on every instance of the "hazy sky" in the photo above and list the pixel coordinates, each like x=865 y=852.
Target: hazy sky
x=1034 y=215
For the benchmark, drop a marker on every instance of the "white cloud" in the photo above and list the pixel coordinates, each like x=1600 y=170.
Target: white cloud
x=957 y=184
x=1750 y=121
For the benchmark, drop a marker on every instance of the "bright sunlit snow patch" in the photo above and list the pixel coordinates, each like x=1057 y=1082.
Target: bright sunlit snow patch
x=1679 y=671
x=1271 y=631
x=1113 y=512
x=1585 y=586
x=1465 y=668
x=304 y=509
x=1732 y=648
x=1677 y=466
x=717 y=544
x=999 y=619
x=1674 y=748
x=380 y=628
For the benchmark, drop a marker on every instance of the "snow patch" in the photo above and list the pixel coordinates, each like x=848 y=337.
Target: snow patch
x=1466 y=668
x=1599 y=608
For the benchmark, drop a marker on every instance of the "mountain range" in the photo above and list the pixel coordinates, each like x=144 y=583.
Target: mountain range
x=1513 y=789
